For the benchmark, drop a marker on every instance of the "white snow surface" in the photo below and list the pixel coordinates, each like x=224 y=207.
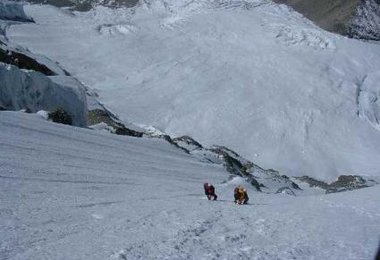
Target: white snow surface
x=74 y=193
x=249 y=75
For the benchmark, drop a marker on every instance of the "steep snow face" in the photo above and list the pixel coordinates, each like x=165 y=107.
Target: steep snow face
x=249 y=75
x=73 y=193
x=34 y=91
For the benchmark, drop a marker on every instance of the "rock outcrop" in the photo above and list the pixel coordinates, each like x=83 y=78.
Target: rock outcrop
x=86 y=5
x=269 y=181
x=343 y=183
x=354 y=18
x=97 y=116
x=22 y=61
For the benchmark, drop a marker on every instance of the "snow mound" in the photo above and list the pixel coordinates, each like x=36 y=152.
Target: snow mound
x=117 y=29
x=34 y=91
x=293 y=36
x=43 y=114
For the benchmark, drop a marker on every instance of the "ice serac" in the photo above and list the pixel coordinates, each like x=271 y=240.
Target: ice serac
x=369 y=99
x=13 y=11
x=33 y=91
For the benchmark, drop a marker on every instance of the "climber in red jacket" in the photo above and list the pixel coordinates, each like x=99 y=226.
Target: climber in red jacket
x=210 y=191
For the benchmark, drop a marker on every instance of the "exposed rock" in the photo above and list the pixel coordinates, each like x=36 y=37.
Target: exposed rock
x=332 y=15
x=313 y=182
x=187 y=142
x=86 y=5
x=60 y=116
x=343 y=183
x=57 y=3
x=347 y=182
x=255 y=183
x=263 y=180
x=232 y=165
x=285 y=190
x=28 y=111
x=365 y=23
x=23 y=62
x=97 y=116
x=354 y=18
x=168 y=139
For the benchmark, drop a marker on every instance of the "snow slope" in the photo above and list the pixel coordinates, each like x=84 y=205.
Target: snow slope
x=249 y=75
x=73 y=193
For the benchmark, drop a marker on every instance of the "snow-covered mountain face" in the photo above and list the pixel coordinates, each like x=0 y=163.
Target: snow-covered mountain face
x=354 y=18
x=249 y=75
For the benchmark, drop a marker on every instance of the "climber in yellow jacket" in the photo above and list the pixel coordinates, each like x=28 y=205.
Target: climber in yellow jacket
x=241 y=195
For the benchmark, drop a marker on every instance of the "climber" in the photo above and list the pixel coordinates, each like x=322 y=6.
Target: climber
x=210 y=191
x=241 y=196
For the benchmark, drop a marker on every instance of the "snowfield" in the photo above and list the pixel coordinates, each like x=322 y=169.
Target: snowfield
x=72 y=193
x=249 y=75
